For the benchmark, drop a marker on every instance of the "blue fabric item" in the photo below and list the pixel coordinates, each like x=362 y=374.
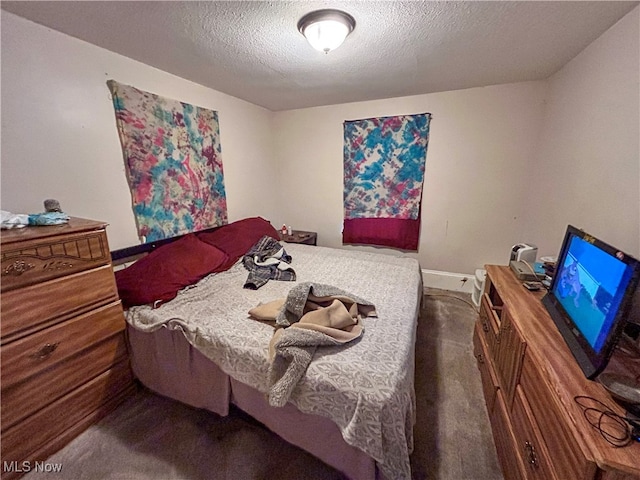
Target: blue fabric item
x=48 y=218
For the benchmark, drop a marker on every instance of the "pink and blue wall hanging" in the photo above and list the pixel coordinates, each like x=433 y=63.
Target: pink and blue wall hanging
x=384 y=165
x=172 y=161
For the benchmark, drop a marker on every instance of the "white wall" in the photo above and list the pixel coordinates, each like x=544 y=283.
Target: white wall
x=496 y=156
x=482 y=143
x=505 y=164
x=59 y=137
x=587 y=167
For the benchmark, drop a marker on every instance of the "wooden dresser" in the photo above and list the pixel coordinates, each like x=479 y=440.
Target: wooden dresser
x=63 y=353
x=530 y=380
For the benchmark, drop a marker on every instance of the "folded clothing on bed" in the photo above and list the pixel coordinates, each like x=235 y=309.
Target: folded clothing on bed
x=267 y=260
x=317 y=315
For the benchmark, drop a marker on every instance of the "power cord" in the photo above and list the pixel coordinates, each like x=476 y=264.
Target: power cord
x=532 y=271
x=617 y=430
x=475 y=309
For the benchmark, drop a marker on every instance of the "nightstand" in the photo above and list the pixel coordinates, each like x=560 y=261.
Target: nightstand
x=300 y=236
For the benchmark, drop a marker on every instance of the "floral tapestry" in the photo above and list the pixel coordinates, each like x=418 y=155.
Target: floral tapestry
x=173 y=163
x=384 y=164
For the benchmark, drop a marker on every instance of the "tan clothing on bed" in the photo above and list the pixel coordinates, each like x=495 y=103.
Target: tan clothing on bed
x=338 y=317
x=327 y=320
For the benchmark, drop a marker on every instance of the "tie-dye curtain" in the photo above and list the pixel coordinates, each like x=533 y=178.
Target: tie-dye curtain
x=172 y=161
x=384 y=163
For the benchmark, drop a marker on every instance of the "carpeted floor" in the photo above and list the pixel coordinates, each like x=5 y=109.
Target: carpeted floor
x=452 y=434
x=153 y=438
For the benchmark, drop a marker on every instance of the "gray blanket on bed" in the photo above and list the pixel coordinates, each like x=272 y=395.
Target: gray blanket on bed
x=294 y=349
x=298 y=296
x=316 y=315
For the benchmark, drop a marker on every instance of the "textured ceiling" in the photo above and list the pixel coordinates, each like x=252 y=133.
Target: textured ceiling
x=252 y=50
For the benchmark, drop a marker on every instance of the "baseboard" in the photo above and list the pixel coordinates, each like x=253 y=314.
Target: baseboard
x=457 y=282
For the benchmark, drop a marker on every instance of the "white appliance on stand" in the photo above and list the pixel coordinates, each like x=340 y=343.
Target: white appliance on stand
x=478 y=286
x=524 y=252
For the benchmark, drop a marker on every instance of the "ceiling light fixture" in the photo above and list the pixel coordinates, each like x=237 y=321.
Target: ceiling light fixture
x=325 y=30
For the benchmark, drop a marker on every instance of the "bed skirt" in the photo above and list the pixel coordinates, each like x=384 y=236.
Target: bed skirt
x=166 y=363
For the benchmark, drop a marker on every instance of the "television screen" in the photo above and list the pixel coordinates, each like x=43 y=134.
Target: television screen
x=590 y=296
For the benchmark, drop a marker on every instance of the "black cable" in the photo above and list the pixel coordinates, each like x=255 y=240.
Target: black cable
x=617 y=430
x=475 y=309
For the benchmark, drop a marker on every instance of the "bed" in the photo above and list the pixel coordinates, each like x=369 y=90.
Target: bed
x=354 y=408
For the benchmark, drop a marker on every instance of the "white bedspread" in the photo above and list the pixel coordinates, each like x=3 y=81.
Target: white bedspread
x=365 y=387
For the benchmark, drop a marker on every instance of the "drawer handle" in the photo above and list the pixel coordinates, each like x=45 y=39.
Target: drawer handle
x=480 y=358
x=485 y=327
x=45 y=351
x=530 y=450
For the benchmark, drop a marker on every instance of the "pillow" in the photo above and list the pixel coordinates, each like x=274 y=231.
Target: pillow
x=236 y=238
x=160 y=275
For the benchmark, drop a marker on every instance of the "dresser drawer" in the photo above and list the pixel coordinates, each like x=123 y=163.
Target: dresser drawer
x=33 y=354
x=24 y=398
x=490 y=322
x=22 y=441
x=529 y=442
x=564 y=452
x=487 y=375
x=38 y=259
x=508 y=360
x=34 y=307
x=511 y=462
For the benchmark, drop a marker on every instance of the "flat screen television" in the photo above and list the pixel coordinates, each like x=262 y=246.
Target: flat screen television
x=590 y=297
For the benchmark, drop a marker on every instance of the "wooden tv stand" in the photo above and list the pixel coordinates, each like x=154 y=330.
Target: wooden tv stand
x=530 y=379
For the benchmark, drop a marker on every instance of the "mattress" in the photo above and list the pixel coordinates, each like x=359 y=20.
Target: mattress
x=166 y=363
x=365 y=387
